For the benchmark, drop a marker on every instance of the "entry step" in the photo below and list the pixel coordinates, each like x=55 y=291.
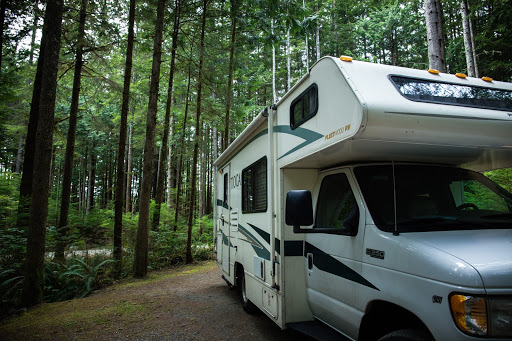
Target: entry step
x=316 y=330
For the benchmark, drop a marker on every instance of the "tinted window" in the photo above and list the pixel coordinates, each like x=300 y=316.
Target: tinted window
x=304 y=107
x=254 y=187
x=336 y=206
x=455 y=94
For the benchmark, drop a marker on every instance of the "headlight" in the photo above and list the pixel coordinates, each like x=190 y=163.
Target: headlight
x=500 y=316
x=489 y=316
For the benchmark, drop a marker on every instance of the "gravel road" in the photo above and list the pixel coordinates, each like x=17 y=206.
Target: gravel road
x=187 y=303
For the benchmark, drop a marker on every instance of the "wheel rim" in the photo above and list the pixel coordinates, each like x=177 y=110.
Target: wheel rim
x=244 y=293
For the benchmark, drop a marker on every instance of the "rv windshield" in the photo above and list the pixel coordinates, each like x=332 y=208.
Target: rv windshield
x=433 y=198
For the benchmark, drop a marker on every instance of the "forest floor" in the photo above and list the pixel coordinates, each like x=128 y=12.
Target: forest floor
x=183 y=303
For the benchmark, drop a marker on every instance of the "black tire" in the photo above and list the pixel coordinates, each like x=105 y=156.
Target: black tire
x=247 y=305
x=407 y=335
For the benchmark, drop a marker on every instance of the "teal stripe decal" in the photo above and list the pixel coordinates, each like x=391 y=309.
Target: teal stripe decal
x=309 y=136
x=258 y=247
x=328 y=263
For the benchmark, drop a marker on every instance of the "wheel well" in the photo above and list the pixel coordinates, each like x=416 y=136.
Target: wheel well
x=384 y=317
x=239 y=273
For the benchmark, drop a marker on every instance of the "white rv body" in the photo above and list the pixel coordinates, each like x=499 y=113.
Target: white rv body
x=361 y=120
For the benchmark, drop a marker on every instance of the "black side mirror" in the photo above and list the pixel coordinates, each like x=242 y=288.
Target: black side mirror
x=299 y=209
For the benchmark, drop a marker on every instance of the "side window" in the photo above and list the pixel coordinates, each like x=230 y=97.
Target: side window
x=226 y=187
x=304 y=107
x=337 y=207
x=254 y=187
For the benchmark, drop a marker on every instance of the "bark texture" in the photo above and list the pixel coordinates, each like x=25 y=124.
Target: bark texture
x=119 y=196
x=197 y=137
x=34 y=266
x=435 y=35
x=62 y=227
x=140 y=264
x=167 y=121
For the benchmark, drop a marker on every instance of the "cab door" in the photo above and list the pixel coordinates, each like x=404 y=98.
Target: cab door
x=334 y=251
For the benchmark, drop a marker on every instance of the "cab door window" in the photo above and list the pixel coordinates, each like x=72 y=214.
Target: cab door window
x=337 y=208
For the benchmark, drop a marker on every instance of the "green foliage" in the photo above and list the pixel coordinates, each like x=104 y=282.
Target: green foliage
x=502 y=177
x=74 y=279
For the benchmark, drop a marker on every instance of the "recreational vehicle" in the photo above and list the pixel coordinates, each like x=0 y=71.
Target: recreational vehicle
x=355 y=207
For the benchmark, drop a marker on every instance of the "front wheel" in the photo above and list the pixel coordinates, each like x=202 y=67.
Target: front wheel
x=407 y=335
x=247 y=305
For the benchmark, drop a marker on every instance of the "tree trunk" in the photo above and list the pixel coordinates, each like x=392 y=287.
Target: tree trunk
x=83 y=186
x=3 y=7
x=92 y=180
x=288 y=61
x=274 y=90
x=62 y=227
x=140 y=264
x=129 y=166
x=19 y=156
x=473 y=47
x=34 y=30
x=317 y=36
x=118 y=204
x=30 y=142
x=234 y=9
x=181 y=151
x=435 y=35
x=165 y=139
x=467 y=38
x=197 y=138
x=34 y=266
x=170 y=164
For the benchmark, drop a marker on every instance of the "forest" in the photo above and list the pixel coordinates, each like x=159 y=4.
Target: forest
x=113 y=111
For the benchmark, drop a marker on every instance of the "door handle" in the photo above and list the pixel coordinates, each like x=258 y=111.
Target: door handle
x=310 y=261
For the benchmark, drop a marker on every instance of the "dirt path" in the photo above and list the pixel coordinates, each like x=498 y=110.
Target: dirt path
x=185 y=303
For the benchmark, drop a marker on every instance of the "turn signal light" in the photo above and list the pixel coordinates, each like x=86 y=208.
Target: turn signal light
x=470 y=314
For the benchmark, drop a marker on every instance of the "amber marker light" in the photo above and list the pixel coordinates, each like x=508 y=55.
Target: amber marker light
x=346 y=58
x=469 y=314
x=433 y=71
x=460 y=75
x=487 y=79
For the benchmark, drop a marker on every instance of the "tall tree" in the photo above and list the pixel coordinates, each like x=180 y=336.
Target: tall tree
x=140 y=264
x=197 y=136
x=233 y=14
x=469 y=39
x=30 y=142
x=34 y=267
x=181 y=149
x=119 y=203
x=3 y=8
x=435 y=35
x=165 y=138
x=62 y=227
